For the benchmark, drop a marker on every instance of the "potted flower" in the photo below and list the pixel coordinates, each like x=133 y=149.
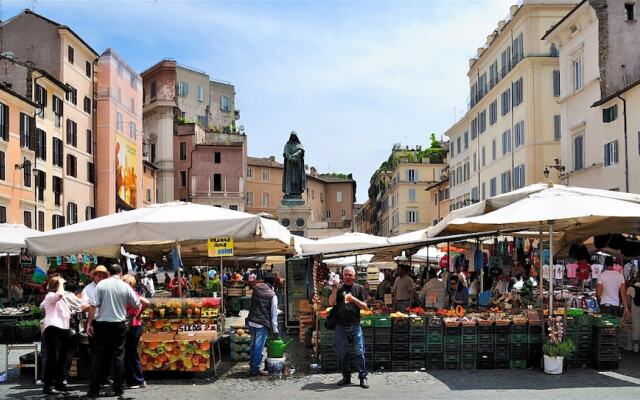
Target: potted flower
x=556 y=348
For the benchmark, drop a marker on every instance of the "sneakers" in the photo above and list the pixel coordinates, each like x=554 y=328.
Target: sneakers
x=636 y=347
x=49 y=391
x=364 y=384
x=141 y=386
x=260 y=373
x=344 y=381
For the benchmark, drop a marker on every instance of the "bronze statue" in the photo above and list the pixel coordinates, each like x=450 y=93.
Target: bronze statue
x=294 y=179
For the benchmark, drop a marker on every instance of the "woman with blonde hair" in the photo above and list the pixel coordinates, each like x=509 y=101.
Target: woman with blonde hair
x=132 y=366
x=56 y=335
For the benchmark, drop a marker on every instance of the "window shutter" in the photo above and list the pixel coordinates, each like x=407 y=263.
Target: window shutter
x=607 y=161
x=22 y=138
x=5 y=114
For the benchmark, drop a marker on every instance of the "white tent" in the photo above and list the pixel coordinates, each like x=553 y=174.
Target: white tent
x=158 y=227
x=429 y=254
x=346 y=241
x=12 y=237
x=361 y=260
x=414 y=236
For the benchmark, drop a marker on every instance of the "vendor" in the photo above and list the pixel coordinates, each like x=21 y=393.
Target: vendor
x=403 y=289
x=384 y=287
x=432 y=294
x=458 y=293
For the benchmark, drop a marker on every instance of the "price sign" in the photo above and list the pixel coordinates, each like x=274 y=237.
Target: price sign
x=220 y=247
x=197 y=327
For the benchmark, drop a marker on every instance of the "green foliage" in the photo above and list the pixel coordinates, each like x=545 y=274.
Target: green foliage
x=562 y=349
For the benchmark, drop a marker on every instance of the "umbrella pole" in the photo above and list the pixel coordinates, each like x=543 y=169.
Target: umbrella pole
x=551 y=268
x=541 y=282
x=179 y=275
x=221 y=287
x=482 y=267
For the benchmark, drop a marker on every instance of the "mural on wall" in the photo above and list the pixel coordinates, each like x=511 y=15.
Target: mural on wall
x=126 y=175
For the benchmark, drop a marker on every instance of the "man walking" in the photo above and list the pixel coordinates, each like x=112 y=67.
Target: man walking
x=610 y=288
x=109 y=329
x=263 y=318
x=347 y=300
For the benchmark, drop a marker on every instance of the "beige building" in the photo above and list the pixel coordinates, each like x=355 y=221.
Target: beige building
x=599 y=44
x=439 y=198
x=510 y=131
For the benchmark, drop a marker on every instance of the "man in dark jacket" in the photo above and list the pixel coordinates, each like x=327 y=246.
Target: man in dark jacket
x=348 y=299
x=263 y=318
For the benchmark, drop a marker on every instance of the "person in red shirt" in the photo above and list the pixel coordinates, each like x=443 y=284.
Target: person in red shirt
x=584 y=272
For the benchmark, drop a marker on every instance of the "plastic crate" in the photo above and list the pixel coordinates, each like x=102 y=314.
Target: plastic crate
x=382 y=348
x=452 y=340
x=400 y=324
x=486 y=329
x=402 y=347
x=452 y=365
x=469 y=348
x=468 y=364
x=452 y=349
x=535 y=329
x=485 y=348
x=383 y=340
x=418 y=347
x=535 y=338
x=502 y=355
x=503 y=339
x=501 y=364
x=435 y=323
x=417 y=322
x=519 y=364
x=417 y=365
x=382 y=356
x=382 y=366
x=382 y=322
x=418 y=331
x=502 y=329
x=382 y=332
x=452 y=330
x=485 y=364
x=417 y=356
x=435 y=348
x=606 y=320
x=519 y=329
x=435 y=339
x=469 y=339
x=400 y=365
x=519 y=338
x=434 y=365
x=486 y=338
x=469 y=330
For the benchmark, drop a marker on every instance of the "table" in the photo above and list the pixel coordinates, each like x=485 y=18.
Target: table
x=26 y=346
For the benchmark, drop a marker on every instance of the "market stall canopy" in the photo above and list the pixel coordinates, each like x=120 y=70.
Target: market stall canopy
x=422 y=234
x=298 y=241
x=155 y=229
x=12 y=237
x=346 y=241
x=578 y=212
x=361 y=260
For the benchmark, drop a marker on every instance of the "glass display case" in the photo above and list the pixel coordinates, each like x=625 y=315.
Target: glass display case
x=299 y=284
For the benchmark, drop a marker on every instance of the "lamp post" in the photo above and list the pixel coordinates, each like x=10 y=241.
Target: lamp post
x=560 y=168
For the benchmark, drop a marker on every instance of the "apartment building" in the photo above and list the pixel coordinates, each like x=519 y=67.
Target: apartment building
x=57 y=49
x=510 y=131
x=439 y=198
x=599 y=46
x=118 y=136
x=149 y=186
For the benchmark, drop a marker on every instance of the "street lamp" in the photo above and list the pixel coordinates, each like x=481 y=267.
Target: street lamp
x=559 y=167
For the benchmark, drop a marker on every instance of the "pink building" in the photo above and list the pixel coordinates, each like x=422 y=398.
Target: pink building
x=118 y=135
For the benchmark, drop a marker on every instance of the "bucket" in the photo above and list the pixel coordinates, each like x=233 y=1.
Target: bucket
x=553 y=365
x=275 y=365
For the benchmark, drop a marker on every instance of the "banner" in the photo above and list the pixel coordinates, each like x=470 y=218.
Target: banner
x=126 y=174
x=220 y=247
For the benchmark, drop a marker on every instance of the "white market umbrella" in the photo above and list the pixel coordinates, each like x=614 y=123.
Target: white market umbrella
x=159 y=227
x=344 y=242
x=361 y=260
x=415 y=236
x=12 y=237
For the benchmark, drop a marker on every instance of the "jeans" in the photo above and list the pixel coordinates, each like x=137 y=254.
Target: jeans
x=57 y=343
x=109 y=339
x=132 y=367
x=348 y=340
x=258 y=340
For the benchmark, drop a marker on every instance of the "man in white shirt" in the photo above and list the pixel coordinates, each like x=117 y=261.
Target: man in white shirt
x=89 y=292
x=610 y=289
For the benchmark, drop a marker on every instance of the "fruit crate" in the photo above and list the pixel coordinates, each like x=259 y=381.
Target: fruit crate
x=486 y=329
x=605 y=320
x=469 y=330
x=434 y=361
x=502 y=329
x=417 y=356
x=417 y=365
x=452 y=340
x=503 y=339
x=435 y=324
x=400 y=325
x=486 y=338
x=417 y=322
x=381 y=322
x=519 y=338
x=452 y=331
x=485 y=364
x=518 y=364
x=535 y=329
x=418 y=331
x=400 y=356
x=417 y=347
x=382 y=348
x=535 y=338
x=366 y=322
x=502 y=355
x=435 y=339
x=501 y=364
x=435 y=348
x=469 y=339
x=382 y=340
x=452 y=365
x=486 y=348
x=379 y=357
x=468 y=364
x=402 y=347
x=519 y=329
x=469 y=348
x=400 y=365
x=452 y=348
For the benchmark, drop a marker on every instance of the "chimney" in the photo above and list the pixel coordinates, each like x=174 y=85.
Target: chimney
x=513 y=10
x=313 y=172
x=501 y=25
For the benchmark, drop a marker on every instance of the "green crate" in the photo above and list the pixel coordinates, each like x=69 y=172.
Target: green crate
x=435 y=339
x=452 y=339
x=366 y=322
x=584 y=320
x=518 y=364
x=606 y=320
x=382 y=322
x=519 y=338
x=486 y=338
x=417 y=321
x=535 y=338
x=470 y=339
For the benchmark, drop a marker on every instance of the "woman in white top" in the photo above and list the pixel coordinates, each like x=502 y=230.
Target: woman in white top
x=633 y=292
x=56 y=335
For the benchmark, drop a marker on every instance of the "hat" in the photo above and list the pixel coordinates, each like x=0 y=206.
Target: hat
x=100 y=268
x=269 y=279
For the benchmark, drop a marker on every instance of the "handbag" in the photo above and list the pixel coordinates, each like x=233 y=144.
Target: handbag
x=330 y=322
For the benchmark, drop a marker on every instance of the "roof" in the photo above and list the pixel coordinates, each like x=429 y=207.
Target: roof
x=436 y=184
x=563 y=19
x=616 y=94
x=59 y=26
x=52 y=78
x=264 y=162
x=329 y=178
x=5 y=88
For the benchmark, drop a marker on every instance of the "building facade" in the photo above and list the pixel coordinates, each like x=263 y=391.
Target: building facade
x=510 y=131
x=439 y=198
x=599 y=45
x=118 y=136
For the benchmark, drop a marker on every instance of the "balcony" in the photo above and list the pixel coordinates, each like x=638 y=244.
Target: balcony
x=221 y=139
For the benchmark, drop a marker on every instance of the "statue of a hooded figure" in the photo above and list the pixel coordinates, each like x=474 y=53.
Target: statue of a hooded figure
x=294 y=179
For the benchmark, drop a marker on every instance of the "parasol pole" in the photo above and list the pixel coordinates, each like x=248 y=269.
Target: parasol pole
x=221 y=287
x=541 y=282
x=551 y=272
x=481 y=268
x=177 y=252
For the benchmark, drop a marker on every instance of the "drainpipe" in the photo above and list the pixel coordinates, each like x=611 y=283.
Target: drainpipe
x=94 y=130
x=626 y=142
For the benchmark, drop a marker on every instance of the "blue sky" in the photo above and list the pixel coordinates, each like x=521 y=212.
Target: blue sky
x=352 y=78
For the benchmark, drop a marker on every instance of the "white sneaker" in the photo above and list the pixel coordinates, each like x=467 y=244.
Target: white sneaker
x=636 y=347
x=39 y=382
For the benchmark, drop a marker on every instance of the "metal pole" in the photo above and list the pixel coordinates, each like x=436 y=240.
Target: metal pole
x=221 y=288
x=551 y=271
x=179 y=280
x=541 y=276
x=481 y=268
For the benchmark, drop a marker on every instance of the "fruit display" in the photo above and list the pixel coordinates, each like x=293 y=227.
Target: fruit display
x=174 y=325
x=162 y=308
x=176 y=352
x=240 y=345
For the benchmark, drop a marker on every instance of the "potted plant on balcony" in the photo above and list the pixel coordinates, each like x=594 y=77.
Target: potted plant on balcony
x=557 y=347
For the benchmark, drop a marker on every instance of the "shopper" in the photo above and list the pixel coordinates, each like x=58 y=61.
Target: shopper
x=634 y=294
x=132 y=366
x=15 y=293
x=262 y=319
x=148 y=285
x=610 y=288
x=109 y=329
x=458 y=293
x=432 y=294
x=56 y=333
x=384 y=287
x=178 y=290
x=348 y=299
x=403 y=289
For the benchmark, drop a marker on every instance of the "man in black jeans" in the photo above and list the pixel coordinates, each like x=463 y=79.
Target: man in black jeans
x=348 y=300
x=109 y=330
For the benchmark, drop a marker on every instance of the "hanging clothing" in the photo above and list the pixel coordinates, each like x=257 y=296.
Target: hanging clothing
x=571 y=270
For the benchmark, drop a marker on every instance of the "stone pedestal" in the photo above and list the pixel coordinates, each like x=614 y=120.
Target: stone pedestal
x=295 y=217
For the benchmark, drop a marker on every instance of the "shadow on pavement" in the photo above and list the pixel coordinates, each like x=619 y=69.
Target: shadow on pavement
x=320 y=387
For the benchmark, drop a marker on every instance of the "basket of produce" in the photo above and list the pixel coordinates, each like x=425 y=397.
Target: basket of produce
x=451 y=322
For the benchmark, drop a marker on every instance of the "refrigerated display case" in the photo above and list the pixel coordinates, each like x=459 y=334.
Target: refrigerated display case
x=299 y=287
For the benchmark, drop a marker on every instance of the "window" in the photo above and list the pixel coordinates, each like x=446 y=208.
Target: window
x=578 y=152
x=505 y=182
x=72 y=213
x=412 y=195
x=493 y=150
x=493 y=74
x=328 y=214
x=474 y=130
x=483 y=156
x=466 y=140
x=133 y=131
x=27 y=219
x=87 y=69
x=412 y=217
x=483 y=191
x=91 y=172
x=57 y=221
x=133 y=80
x=41 y=184
x=473 y=94
x=27 y=173
x=343 y=213
x=120 y=70
x=72 y=166
x=58 y=152
x=475 y=195
x=119 y=122
x=4 y=122
x=41 y=144
x=475 y=162
x=200 y=93
x=611 y=153
x=493 y=112
x=27 y=131
x=72 y=95
x=217 y=182
x=519 y=134
x=265 y=175
x=119 y=96
x=72 y=133
x=87 y=105
x=453 y=148
x=459 y=142
x=90 y=213
x=183 y=179
x=557 y=132
x=518 y=49
x=57 y=189
x=152 y=151
x=89 y=141
x=467 y=171
x=225 y=103
x=518 y=177
x=70 y=54
x=628 y=7
x=183 y=89
x=58 y=105
x=249 y=173
x=577 y=73
x=40 y=222
x=506 y=142
x=154 y=90
x=505 y=100
x=41 y=97
x=517 y=93
x=505 y=59
x=133 y=105
x=339 y=197
x=610 y=114
x=183 y=151
x=265 y=199
x=482 y=121
x=3 y=214
x=3 y=166
x=249 y=199
x=412 y=175
x=556 y=83
x=216 y=157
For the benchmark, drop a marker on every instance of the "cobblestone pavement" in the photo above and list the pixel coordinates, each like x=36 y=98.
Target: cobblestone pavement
x=234 y=383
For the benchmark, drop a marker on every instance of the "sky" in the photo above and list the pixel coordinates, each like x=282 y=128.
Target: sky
x=352 y=78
